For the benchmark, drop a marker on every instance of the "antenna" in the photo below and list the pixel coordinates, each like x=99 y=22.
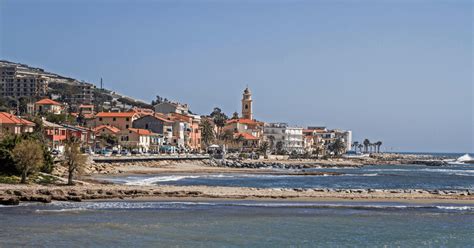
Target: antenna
x=101 y=85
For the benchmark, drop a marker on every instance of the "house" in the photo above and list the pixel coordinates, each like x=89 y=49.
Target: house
x=171 y=107
x=105 y=130
x=56 y=134
x=242 y=125
x=283 y=137
x=85 y=135
x=156 y=123
x=186 y=131
x=121 y=120
x=86 y=109
x=46 y=106
x=14 y=125
x=140 y=140
x=244 y=142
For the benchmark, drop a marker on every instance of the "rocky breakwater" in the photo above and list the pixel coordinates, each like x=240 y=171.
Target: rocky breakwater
x=257 y=164
x=13 y=195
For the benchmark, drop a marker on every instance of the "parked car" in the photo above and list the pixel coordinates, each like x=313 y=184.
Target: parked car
x=125 y=153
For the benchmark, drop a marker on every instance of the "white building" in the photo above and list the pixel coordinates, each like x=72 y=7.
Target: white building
x=290 y=137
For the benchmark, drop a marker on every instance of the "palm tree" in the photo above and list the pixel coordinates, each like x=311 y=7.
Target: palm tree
x=355 y=145
x=207 y=132
x=337 y=147
x=361 y=146
x=378 y=144
x=271 y=138
x=366 y=145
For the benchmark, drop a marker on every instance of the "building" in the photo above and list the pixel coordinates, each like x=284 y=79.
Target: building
x=121 y=120
x=186 y=131
x=56 y=134
x=247 y=112
x=86 y=109
x=140 y=140
x=156 y=123
x=48 y=106
x=82 y=134
x=84 y=94
x=14 y=125
x=324 y=137
x=283 y=137
x=171 y=107
x=18 y=81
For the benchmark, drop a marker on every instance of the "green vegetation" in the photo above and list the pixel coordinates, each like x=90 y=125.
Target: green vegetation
x=28 y=157
x=207 y=132
x=74 y=160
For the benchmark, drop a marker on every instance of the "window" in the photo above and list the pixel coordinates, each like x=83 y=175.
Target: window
x=146 y=126
x=114 y=119
x=127 y=119
x=100 y=118
x=246 y=106
x=126 y=126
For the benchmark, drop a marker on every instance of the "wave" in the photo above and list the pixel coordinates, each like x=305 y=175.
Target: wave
x=60 y=210
x=83 y=206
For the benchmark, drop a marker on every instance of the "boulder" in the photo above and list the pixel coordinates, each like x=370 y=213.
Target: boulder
x=9 y=201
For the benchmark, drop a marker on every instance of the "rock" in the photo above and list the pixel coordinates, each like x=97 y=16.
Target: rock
x=9 y=201
x=74 y=198
x=41 y=198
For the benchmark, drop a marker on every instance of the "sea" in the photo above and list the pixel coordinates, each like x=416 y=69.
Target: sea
x=236 y=224
x=242 y=223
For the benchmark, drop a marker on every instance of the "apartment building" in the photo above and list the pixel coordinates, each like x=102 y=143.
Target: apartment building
x=17 y=81
x=291 y=138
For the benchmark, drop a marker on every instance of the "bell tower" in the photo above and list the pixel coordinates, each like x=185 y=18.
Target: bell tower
x=247 y=104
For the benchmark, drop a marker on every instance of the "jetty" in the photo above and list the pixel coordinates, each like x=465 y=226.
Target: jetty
x=140 y=158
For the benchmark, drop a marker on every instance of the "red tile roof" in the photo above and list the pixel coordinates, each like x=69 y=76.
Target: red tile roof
x=111 y=128
x=116 y=114
x=243 y=121
x=6 y=118
x=246 y=136
x=47 y=101
x=141 y=131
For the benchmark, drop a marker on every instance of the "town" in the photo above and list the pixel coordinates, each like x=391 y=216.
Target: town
x=109 y=124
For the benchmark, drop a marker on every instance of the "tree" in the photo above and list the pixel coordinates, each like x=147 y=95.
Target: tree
x=271 y=138
x=279 y=148
x=361 y=146
x=378 y=144
x=338 y=147
x=235 y=116
x=355 y=145
x=74 y=160
x=28 y=157
x=227 y=136
x=108 y=139
x=264 y=148
x=366 y=145
x=207 y=132
x=219 y=119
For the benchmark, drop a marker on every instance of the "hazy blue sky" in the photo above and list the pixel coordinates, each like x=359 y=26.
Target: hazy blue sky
x=396 y=71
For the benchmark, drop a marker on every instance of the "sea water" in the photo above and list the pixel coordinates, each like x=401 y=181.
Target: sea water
x=459 y=177
x=237 y=224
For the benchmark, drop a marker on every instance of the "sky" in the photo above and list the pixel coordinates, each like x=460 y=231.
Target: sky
x=396 y=71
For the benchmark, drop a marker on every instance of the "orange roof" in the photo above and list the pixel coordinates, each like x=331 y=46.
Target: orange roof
x=162 y=118
x=243 y=121
x=86 y=106
x=47 y=101
x=141 y=131
x=116 y=114
x=246 y=136
x=111 y=128
x=6 y=118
